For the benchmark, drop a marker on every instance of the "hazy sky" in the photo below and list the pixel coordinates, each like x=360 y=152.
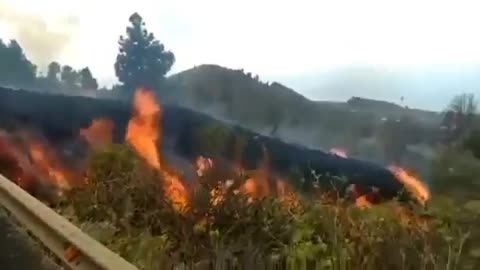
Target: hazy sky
x=423 y=50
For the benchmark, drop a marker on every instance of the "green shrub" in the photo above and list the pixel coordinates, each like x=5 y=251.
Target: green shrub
x=213 y=139
x=472 y=143
x=239 y=233
x=457 y=173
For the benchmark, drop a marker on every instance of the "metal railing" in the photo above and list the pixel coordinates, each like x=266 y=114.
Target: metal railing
x=76 y=249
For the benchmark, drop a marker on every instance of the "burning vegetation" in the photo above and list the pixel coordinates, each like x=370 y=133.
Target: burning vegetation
x=228 y=217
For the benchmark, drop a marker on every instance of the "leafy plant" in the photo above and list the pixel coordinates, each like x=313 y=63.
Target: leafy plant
x=225 y=229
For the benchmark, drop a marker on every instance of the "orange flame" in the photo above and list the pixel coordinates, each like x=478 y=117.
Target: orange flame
x=143 y=133
x=413 y=185
x=99 y=133
x=47 y=163
x=361 y=200
x=258 y=186
x=175 y=190
x=286 y=194
x=11 y=165
x=30 y=159
x=249 y=187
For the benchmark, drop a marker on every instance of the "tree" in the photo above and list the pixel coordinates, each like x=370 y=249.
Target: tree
x=53 y=71
x=142 y=60
x=15 y=68
x=465 y=104
x=87 y=81
x=69 y=77
x=459 y=116
x=51 y=83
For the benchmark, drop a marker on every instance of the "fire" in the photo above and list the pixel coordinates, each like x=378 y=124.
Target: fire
x=250 y=187
x=144 y=134
x=99 y=132
x=361 y=200
x=46 y=162
x=175 y=190
x=286 y=194
x=258 y=186
x=339 y=152
x=28 y=159
x=143 y=131
x=219 y=192
x=10 y=165
x=413 y=185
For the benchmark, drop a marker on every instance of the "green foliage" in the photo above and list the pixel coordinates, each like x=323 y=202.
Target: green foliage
x=17 y=71
x=124 y=198
x=120 y=188
x=472 y=143
x=143 y=250
x=142 y=60
x=87 y=81
x=213 y=139
x=456 y=170
x=69 y=76
x=53 y=71
x=15 y=68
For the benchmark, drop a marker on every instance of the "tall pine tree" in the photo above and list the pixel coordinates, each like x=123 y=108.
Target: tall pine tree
x=142 y=60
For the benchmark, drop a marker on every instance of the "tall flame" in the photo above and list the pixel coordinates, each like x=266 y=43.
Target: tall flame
x=144 y=134
x=143 y=131
x=413 y=185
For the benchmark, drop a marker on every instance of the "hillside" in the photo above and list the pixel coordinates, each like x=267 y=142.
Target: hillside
x=274 y=109
x=215 y=87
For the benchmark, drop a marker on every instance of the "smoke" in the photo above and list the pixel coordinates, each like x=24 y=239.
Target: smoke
x=42 y=39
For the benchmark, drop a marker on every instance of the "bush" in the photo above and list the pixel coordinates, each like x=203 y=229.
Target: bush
x=121 y=189
x=224 y=229
x=472 y=143
x=456 y=172
x=213 y=139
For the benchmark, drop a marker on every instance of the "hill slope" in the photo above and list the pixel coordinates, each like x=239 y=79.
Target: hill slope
x=274 y=109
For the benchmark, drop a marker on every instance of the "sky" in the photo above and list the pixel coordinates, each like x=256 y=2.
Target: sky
x=426 y=51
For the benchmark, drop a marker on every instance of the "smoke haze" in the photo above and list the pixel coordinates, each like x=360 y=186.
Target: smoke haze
x=42 y=40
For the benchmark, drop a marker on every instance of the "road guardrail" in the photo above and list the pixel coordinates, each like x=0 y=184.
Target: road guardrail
x=76 y=249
